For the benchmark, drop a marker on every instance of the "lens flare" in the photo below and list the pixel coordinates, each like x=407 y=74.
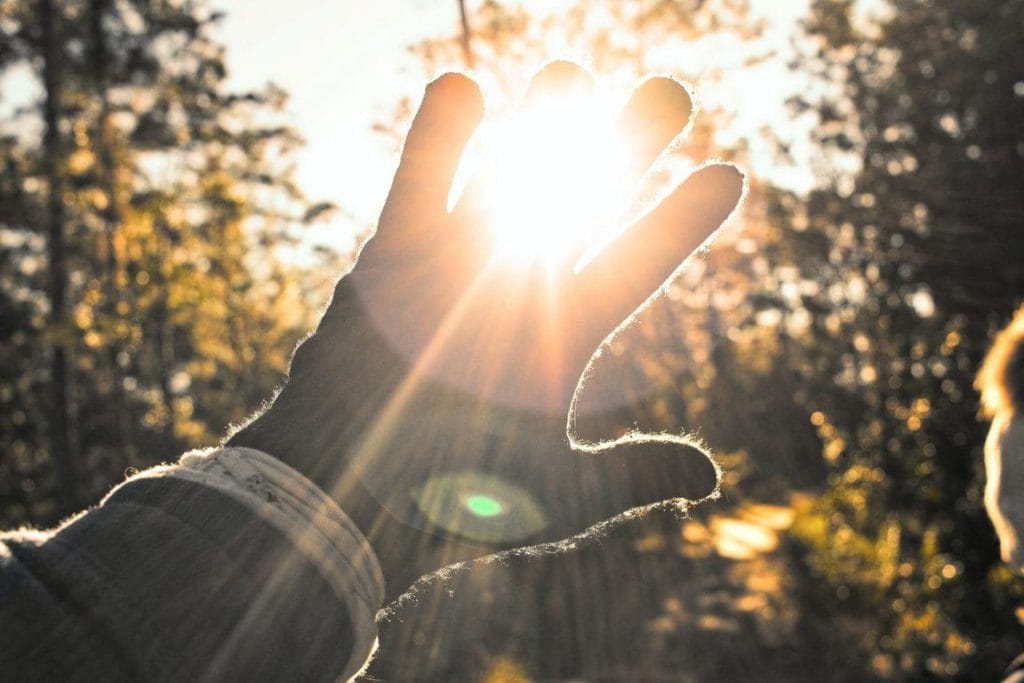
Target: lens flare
x=483 y=506
x=479 y=507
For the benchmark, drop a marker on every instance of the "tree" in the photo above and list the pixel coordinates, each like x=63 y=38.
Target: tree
x=162 y=210
x=917 y=253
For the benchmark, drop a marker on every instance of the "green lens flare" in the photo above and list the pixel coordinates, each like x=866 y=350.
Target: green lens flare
x=479 y=507
x=483 y=506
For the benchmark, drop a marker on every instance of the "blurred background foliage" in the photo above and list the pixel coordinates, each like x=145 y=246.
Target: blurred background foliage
x=144 y=299
x=150 y=294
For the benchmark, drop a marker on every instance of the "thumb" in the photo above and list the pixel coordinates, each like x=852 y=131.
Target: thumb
x=639 y=470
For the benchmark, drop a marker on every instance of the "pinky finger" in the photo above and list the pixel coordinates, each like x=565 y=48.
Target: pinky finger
x=637 y=262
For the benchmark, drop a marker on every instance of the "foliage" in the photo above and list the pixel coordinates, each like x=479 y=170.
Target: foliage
x=175 y=209
x=918 y=259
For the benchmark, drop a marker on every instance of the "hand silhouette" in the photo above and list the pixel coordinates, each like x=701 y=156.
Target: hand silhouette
x=431 y=401
x=504 y=332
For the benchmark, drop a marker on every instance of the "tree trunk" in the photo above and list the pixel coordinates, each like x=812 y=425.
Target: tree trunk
x=63 y=413
x=467 y=49
x=116 y=285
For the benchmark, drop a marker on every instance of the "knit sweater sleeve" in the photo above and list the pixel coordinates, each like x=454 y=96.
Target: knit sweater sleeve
x=228 y=565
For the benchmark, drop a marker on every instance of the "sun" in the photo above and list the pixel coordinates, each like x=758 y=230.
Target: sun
x=552 y=179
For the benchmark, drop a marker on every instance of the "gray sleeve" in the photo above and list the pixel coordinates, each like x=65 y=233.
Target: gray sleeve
x=226 y=566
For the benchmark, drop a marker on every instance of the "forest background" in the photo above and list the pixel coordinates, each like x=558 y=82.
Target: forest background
x=158 y=262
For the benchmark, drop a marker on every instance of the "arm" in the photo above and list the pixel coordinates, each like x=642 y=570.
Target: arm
x=226 y=566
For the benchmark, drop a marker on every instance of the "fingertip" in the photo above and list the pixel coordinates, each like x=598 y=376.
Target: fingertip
x=459 y=91
x=559 y=79
x=727 y=174
x=645 y=469
x=720 y=185
x=682 y=468
x=662 y=99
x=658 y=110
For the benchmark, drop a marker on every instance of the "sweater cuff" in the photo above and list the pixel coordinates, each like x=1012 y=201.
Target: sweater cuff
x=308 y=518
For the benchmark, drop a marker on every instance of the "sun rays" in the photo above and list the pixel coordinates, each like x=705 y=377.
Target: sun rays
x=551 y=177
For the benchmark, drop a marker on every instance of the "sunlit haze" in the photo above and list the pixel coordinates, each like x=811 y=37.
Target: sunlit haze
x=344 y=66
x=553 y=174
x=512 y=340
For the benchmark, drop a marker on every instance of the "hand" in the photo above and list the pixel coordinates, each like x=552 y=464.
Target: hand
x=431 y=401
x=506 y=332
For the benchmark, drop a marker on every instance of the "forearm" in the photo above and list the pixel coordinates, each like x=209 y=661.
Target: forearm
x=228 y=566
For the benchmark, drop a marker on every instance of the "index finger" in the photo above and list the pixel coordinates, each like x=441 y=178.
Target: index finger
x=452 y=108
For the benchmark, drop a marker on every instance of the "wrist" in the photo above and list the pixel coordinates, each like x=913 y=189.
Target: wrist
x=353 y=419
x=338 y=378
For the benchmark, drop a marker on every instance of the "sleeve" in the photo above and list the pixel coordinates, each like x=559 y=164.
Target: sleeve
x=226 y=566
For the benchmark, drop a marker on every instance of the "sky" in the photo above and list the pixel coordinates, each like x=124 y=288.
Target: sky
x=342 y=63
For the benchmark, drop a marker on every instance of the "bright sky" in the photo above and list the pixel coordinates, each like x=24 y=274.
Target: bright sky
x=341 y=62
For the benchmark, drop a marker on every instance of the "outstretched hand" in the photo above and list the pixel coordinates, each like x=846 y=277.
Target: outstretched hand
x=520 y=334
x=432 y=399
